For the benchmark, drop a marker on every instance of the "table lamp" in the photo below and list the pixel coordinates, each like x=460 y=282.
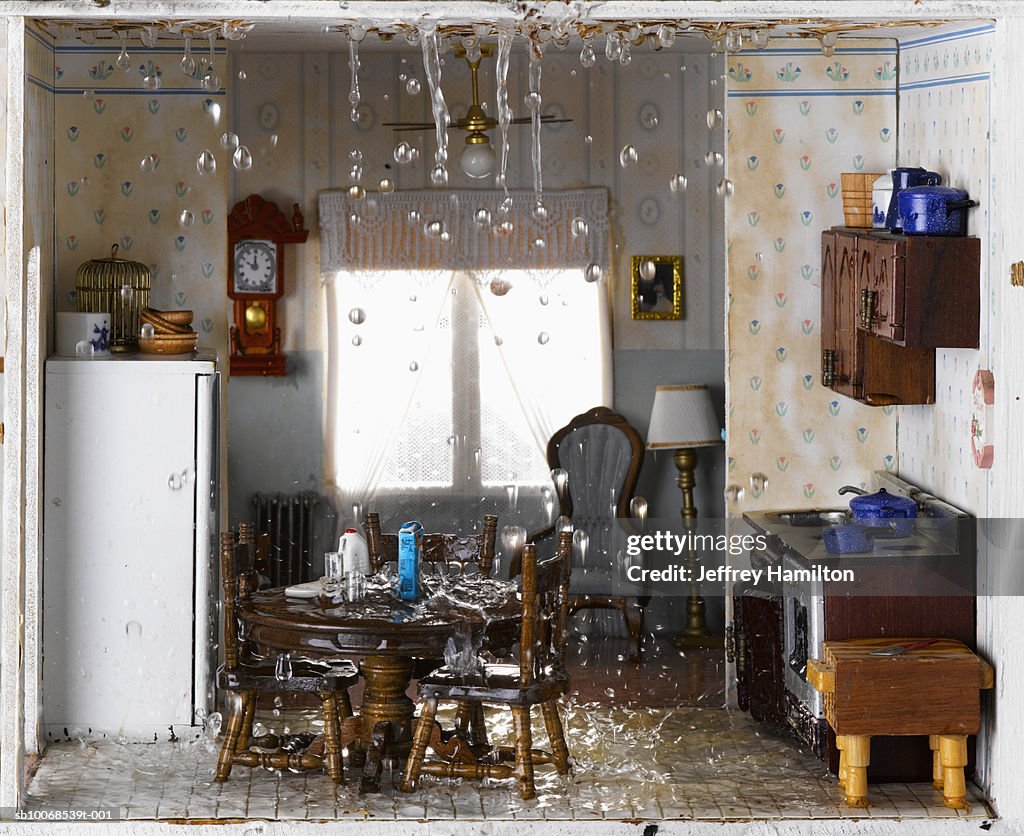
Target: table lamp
x=682 y=419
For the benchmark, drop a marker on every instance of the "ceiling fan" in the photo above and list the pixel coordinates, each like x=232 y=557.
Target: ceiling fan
x=478 y=158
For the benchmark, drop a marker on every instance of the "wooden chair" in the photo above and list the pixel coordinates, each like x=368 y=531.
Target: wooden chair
x=602 y=453
x=246 y=677
x=454 y=550
x=461 y=551
x=540 y=679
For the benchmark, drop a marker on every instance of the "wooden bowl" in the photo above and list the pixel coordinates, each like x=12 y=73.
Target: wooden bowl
x=177 y=317
x=160 y=323
x=169 y=343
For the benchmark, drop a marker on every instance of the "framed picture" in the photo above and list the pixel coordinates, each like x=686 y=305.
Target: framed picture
x=656 y=286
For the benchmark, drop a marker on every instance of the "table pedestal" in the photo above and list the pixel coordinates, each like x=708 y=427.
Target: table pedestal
x=384 y=700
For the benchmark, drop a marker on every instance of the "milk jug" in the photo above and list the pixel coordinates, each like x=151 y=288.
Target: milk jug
x=355 y=557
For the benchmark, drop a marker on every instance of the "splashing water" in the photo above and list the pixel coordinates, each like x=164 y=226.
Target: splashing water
x=353 y=67
x=504 y=111
x=534 y=100
x=432 y=68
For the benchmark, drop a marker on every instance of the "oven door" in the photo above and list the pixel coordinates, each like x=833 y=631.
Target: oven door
x=804 y=631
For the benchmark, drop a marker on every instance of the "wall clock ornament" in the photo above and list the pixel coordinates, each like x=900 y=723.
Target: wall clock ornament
x=257 y=234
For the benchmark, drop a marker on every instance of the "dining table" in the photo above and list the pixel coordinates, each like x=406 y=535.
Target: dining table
x=387 y=634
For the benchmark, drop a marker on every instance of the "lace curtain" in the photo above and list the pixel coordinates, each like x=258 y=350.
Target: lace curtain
x=452 y=360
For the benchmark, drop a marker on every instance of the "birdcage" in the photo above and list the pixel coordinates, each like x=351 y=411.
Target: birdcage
x=117 y=286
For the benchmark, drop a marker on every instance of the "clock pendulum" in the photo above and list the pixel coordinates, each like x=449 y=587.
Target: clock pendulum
x=257 y=233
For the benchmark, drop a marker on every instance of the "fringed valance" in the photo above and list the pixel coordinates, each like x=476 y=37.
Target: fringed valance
x=389 y=231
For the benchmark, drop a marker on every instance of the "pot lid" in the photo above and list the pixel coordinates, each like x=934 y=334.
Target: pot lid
x=873 y=503
x=942 y=192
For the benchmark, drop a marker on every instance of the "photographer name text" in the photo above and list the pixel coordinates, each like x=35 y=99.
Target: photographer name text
x=678 y=573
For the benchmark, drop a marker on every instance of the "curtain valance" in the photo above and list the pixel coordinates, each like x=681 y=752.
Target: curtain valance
x=389 y=231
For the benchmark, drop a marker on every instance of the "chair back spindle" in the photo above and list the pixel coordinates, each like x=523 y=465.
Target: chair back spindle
x=229 y=585
x=457 y=550
x=545 y=593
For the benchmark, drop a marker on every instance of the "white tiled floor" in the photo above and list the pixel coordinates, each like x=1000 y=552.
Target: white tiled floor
x=681 y=763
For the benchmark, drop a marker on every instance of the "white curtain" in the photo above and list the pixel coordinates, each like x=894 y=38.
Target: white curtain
x=451 y=362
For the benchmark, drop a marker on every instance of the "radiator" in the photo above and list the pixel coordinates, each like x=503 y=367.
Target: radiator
x=290 y=523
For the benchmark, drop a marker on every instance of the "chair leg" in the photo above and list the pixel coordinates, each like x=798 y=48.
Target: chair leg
x=634 y=615
x=424 y=727
x=332 y=738
x=556 y=737
x=344 y=706
x=248 y=714
x=464 y=716
x=478 y=724
x=953 y=759
x=234 y=730
x=524 y=751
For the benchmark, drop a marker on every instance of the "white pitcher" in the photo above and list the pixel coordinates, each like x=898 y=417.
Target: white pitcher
x=355 y=556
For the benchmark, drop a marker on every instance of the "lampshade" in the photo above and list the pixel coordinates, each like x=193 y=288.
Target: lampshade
x=683 y=416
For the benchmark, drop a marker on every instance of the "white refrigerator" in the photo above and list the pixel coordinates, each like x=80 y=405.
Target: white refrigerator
x=130 y=546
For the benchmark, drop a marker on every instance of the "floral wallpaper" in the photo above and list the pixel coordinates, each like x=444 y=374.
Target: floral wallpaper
x=127 y=173
x=945 y=82
x=796 y=120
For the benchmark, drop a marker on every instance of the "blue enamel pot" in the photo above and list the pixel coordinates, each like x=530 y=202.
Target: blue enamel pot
x=883 y=510
x=906 y=177
x=934 y=210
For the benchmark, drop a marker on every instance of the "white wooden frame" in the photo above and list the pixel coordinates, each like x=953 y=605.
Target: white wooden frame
x=1000 y=619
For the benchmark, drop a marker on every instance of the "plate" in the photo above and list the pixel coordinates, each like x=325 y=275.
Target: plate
x=312 y=589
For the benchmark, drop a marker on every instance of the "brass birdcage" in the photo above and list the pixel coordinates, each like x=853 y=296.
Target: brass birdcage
x=117 y=286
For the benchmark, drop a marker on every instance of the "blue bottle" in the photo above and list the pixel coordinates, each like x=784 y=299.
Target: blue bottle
x=410 y=548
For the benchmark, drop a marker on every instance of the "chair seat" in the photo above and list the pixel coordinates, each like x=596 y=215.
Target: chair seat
x=306 y=676
x=496 y=683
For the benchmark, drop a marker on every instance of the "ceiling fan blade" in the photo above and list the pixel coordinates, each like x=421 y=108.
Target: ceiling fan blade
x=407 y=125
x=545 y=120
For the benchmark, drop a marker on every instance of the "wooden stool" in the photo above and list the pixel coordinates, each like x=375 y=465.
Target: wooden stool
x=931 y=690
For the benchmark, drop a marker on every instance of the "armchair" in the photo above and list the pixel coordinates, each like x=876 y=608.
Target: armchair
x=602 y=454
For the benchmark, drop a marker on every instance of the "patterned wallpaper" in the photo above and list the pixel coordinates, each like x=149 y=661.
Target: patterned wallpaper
x=127 y=172
x=292 y=110
x=797 y=120
x=945 y=84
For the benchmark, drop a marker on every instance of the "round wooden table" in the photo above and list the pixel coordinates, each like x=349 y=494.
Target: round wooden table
x=388 y=633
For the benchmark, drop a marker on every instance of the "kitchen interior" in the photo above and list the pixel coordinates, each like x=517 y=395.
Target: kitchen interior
x=723 y=142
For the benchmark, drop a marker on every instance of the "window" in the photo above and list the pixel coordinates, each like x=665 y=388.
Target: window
x=446 y=385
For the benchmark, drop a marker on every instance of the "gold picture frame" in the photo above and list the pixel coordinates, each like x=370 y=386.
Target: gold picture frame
x=650 y=297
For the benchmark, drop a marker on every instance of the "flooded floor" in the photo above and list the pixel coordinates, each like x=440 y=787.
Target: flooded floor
x=654 y=759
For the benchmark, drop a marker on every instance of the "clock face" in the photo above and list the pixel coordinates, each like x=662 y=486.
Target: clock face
x=255 y=267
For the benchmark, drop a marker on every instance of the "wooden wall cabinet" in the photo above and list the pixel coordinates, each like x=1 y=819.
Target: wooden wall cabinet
x=854 y=362
x=887 y=302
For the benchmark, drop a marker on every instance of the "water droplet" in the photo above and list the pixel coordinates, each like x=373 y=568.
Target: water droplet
x=412 y=86
x=627 y=156
x=482 y=217
x=759 y=256
x=439 y=175
x=544 y=299
x=724 y=187
x=148 y=36
x=532 y=99
x=283 y=667
x=588 y=140
x=241 y=75
x=433 y=229
x=412 y=297
x=592 y=273
x=403 y=153
x=733 y=40
x=677 y=183
x=579 y=227
x=228 y=140
x=148 y=163
x=127 y=293
x=612 y=46
x=539 y=243
x=242 y=158
x=504 y=228
x=88 y=95
x=83 y=182
x=499 y=287
x=414 y=216
x=206 y=163
x=713 y=158
x=386 y=186
x=357 y=316
x=187 y=217
x=356 y=192
x=587 y=57
x=151 y=81
x=357 y=341
x=543 y=338
x=625 y=55
x=498 y=341
x=539 y=212
x=714 y=118
x=666 y=36
x=147 y=331
x=414 y=366
x=647 y=269
x=133 y=630
x=355 y=155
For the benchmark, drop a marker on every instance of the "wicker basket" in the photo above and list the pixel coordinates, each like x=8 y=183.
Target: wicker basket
x=118 y=287
x=857 y=201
